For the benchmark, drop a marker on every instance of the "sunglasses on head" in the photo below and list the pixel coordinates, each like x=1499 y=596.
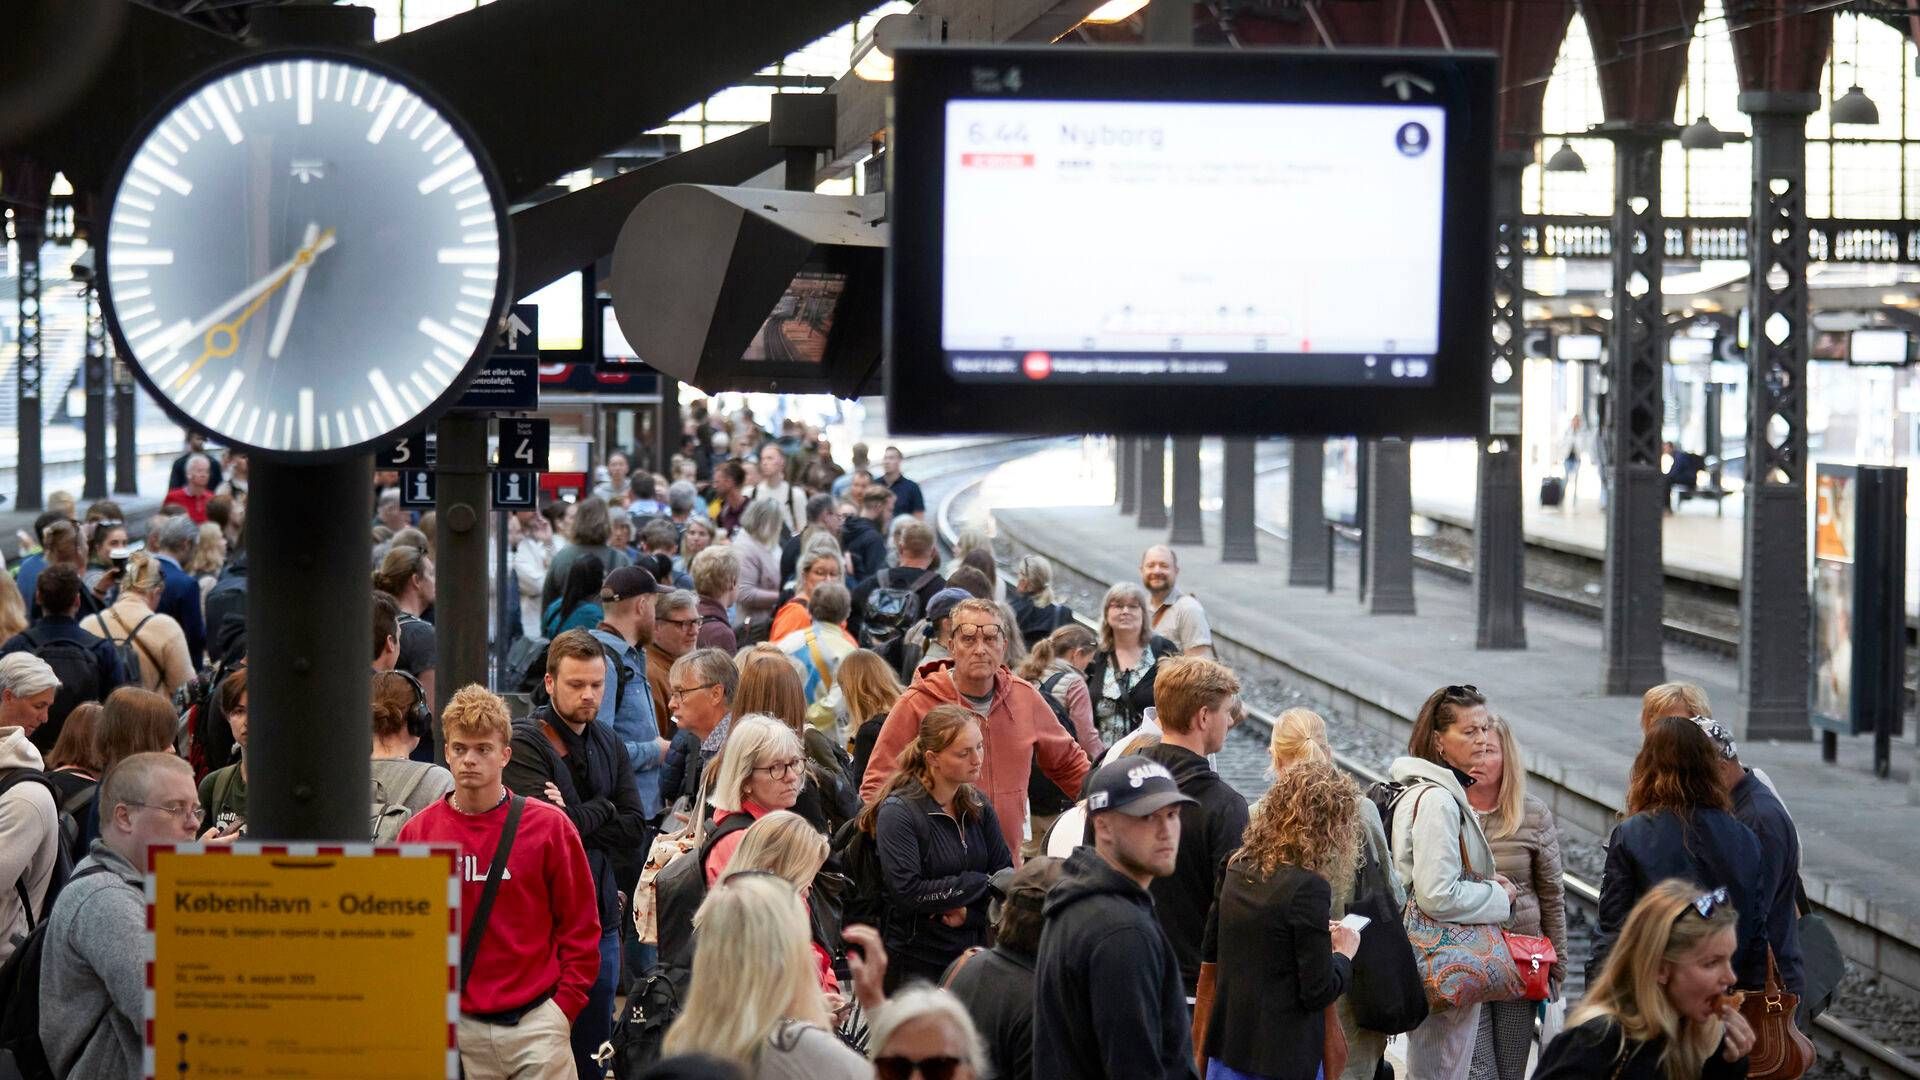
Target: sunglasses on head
x=1468 y=690
x=1706 y=903
x=903 y=1068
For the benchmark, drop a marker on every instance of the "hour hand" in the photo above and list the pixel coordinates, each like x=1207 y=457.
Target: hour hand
x=295 y=283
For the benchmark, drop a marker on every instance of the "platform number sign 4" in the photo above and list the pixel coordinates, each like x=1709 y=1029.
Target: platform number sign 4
x=523 y=445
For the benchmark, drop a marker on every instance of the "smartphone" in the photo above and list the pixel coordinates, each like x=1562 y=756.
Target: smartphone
x=119 y=556
x=1355 y=923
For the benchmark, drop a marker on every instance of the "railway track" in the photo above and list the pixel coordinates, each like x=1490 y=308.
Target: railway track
x=1840 y=1045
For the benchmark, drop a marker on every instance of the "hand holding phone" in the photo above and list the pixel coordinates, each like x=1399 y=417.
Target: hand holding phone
x=1355 y=922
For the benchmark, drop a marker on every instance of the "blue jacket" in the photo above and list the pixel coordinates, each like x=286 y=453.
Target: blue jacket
x=633 y=721
x=1759 y=809
x=1708 y=847
x=181 y=599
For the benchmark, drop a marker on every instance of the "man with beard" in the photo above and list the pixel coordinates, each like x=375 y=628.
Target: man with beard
x=1175 y=615
x=562 y=754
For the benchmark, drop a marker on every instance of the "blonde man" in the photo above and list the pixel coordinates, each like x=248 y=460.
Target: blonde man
x=538 y=953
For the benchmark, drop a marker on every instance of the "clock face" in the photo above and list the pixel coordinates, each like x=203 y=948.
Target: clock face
x=304 y=255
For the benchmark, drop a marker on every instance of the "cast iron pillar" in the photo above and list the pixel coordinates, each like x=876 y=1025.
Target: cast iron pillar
x=309 y=674
x=460 y=609
x=1126 y=466
x=1306 y=513
x=1390 y=527
x=94 y=380
x=29 y=232
x=126 y=436
x=1636 y=498
x=1773 y=596
x=1152 y=476
x=1239 y=541
x=1499 y=557
x=1186 y=493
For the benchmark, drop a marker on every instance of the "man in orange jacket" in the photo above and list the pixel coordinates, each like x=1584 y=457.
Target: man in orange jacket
x=1018 y=726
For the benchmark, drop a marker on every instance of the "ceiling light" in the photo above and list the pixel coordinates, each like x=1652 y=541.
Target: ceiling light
x=1702 y=135
x=1566 y=159
x=873 y=56
x=1114 y=11
x=1854 y=107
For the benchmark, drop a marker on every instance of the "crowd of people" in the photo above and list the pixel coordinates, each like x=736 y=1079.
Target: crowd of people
x=772 y=792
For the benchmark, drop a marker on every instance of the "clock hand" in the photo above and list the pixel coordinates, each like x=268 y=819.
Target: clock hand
x=253 y=296
x=295 y=283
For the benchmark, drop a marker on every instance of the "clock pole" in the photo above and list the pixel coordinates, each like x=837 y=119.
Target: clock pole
x=460 y=613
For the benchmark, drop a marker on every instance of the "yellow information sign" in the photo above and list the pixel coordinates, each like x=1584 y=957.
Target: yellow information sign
x=302 y=961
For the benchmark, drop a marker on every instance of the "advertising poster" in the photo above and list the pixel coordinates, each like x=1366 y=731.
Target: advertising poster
x=1833 y=579
x=303 y=962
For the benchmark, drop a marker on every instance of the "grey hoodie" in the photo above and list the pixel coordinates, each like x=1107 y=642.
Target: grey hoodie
x=95 y=966
x=29 y=838
x=1426 y=847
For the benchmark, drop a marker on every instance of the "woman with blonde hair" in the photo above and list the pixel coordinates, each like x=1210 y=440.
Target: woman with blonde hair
x=1033 y=602
x=1300 y=736
x=868 y=686
x=770 y=686
x=1660 y=1008
x=1120 y=678
x=209 y=555
x=760 y=769
x=1281 y=961
x=1672 y=699
x=753 y=998
x=1526 y=851
x=13 y=607
x=757 y=545
x=135 y=618
x=786 y=844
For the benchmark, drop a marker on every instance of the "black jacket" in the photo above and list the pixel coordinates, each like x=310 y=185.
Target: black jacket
x=602 y=800
x=1107 y=1000
x=860 y=538
x=1209 y=832
x=996 y=986
x=1759 y=809
x=1139 y=697
x=933 y=863
x=1708 y=847
x=1278 y=971
x=1036 y=622
x=1592 y=1052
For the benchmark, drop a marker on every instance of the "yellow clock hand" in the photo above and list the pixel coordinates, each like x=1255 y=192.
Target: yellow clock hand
x=223 y=339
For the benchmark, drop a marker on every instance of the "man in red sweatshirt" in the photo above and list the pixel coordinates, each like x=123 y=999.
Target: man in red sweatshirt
x=539 y=951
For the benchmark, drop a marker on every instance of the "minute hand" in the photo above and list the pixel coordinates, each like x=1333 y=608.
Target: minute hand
x=246 y=295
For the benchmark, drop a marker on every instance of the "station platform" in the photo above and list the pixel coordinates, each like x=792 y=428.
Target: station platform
x=1378 y=669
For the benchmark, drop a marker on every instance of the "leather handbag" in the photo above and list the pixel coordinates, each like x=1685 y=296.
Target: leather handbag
x=1203 y=991
x=1461 y=964
x=1533 y=958
x=1781 y=1051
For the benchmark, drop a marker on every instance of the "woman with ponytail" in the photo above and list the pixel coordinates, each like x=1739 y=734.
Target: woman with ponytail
x=1057 y=664
x=939 y=842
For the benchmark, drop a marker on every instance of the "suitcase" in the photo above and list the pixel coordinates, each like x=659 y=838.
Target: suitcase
x=1552 y=490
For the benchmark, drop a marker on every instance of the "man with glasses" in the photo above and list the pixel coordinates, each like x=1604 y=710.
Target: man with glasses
x=95 y=962
x=1020 y=729
x=700 y=693
x=676 y=632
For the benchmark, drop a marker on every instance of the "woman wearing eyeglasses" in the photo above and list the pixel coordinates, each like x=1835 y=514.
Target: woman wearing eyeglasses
x=926 y=1032
x=1120 y=678
x=1659 y=1009
x=1682 y=827
x=939 y=842
x=761 y=769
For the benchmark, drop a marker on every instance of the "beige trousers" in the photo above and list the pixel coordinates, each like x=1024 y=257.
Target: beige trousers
x=537 y=1048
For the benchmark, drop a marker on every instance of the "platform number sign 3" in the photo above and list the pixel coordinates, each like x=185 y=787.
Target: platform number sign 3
x=304 y=254
x=523 y=445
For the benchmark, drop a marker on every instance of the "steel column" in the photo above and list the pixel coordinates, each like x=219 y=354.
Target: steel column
x=126 y=436
x=1774 y=607
x=460 y=609
x=1186 y=493
x=310 y=675
x=29 y=232
x=1636 y=356
x=1152 y=477
x=1238 y=531
x=1126 y=467
x=1499 y=563
x=1307 y=540
x=94 y=380
x=1390 y=527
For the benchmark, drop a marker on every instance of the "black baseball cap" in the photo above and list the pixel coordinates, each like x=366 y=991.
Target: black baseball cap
x=626 y=582
x=1134 y=785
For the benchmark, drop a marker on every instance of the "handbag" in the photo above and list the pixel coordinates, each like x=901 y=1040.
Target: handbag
x=1203 y=991
x=1461 y=964
x=1387 y=993
x=1781 y=1051
x=1533 y=958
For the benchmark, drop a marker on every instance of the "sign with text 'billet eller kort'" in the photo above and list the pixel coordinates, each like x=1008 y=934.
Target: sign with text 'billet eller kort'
x=510 y=381
x=302 y=961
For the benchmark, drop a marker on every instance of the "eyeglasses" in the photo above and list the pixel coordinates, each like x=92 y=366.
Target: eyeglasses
x=901 y=1068
x=192 y=813
x=779 y=769
x=988 y=637
x=678 y=692
x=1705 y=904
x=683 y=624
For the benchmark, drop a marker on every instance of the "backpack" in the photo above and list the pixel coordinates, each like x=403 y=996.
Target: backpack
x=890 y=610
x=66 y=838
x=126 y=648
x=81 y=679
x=20 y=1001
x=390 y=812
x=526 y=663
x=653 y=1003
x=681 y=887
x=865 y=900
x=1385 y=795
x=1044 y=797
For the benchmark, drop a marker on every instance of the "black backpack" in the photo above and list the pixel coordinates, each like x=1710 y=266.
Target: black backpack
x=125 y=648
x=20 y=1001
x=890 y=610
x=653 y=1003
x=1385 y=795
x=1043 y=795
x=81 y=680
x=681 y=887
x=865 y=897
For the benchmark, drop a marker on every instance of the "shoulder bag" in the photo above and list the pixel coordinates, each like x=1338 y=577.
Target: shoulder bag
x=476 y=931
x=1462 y=964
x=1781 y=1051
x=1388 y=993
